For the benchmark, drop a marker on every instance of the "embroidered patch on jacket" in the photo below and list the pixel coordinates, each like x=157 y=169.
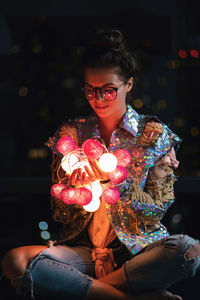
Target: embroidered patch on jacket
x=150 y=134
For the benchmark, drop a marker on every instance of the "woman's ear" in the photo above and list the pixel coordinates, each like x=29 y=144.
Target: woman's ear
x=130 y=84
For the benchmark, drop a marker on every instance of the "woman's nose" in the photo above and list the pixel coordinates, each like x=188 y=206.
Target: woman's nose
x=99 y=95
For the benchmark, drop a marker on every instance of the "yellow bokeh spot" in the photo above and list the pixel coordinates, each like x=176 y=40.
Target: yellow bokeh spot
x=162 y=81
x=173 y=64
x=138 y=103
x=162 y=104
x=194 y=131
x=179 y=122
x=68 y=83
x=15 y=48
x=37 y=153
x=23 y=91
x=37 y=49
x=44 y=111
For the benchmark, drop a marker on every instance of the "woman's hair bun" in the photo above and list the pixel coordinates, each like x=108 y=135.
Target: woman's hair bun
x=110 y=38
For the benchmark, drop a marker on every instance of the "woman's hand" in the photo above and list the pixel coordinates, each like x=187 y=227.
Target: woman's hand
x=92 y=173
x=165 y=165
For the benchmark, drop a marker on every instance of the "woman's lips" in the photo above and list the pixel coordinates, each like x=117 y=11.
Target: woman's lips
x=101 y=107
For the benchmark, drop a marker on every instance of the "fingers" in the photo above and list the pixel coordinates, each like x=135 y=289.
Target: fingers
x=104 y=175
x=80 y=177
x=89 y=172
x=95 y=169
x=73 y=176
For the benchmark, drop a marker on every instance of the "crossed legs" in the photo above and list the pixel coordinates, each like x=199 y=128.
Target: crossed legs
x=143 y=272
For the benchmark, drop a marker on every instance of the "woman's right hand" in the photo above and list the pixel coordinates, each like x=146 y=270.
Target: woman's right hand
x=90 y=174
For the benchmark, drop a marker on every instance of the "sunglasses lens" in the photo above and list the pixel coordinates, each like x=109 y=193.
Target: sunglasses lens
x=109 y=94
x=89 y=93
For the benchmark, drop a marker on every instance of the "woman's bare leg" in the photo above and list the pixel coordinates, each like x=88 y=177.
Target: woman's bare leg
x=118 y=280
x=100 y=290
x=15 y=262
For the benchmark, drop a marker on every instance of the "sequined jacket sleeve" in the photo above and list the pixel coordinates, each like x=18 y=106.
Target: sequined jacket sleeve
x=151 y=198
x=73 y=217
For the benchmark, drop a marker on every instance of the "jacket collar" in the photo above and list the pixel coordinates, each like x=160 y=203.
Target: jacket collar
x=130 y=121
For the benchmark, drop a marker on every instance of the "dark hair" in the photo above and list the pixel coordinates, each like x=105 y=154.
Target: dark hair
x=107 y=48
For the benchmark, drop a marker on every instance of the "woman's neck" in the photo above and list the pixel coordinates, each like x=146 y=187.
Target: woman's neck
x=107 y=126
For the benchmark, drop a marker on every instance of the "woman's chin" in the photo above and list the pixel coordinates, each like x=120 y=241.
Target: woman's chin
x=102 y=112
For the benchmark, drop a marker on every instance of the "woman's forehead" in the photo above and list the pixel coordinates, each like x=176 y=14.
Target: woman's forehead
x=101 y=76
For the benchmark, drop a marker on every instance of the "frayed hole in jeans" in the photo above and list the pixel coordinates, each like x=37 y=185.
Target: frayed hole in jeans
x=192 y=252
x=170 y=244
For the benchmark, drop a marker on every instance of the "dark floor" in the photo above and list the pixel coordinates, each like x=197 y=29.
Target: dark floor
x=21 y=212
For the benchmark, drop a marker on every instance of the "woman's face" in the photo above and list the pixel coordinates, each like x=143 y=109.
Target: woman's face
x=107 y=77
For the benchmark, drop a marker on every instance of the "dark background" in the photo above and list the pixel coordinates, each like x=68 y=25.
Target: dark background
x=40 y=48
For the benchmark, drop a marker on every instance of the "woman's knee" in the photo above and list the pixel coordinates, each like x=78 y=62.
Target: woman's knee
x=15 y=262
x=187 y=248
x=183 y=245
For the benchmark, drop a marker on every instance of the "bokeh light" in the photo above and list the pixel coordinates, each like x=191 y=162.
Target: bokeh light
x=43 y=225
x=37 y=49
x=162 y=104
x=45 y=235
x=44 y=112
x=138 y=103
x=162 y=81
x=15 y=48
x=179 y=122
x=194 y=53
x=182 y=53
x=173 y=64
x=23 y=91
x=194 y=131
x=176 y=219
x=37 y=153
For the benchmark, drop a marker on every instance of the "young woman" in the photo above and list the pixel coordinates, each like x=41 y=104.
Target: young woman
x=119 y=251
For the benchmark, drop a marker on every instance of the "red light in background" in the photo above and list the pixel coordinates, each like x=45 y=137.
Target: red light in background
x=194 y=53
x=182 y=53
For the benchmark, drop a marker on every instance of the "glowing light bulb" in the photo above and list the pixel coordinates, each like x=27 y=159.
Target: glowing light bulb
x=68 y=162
x=111 y=195
x=92 y=149
x=93 y=205
x=123 y=157
x=69 y=195
x=83 y=196
x=56 y=190
x=66 y=145
x=107 y=162
x=81 y=164
x=118 y=175
x=96 y=189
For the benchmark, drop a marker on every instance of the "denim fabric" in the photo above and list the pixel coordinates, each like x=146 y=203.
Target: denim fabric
x=162 y=264
x=61 y=272
x=58 y=272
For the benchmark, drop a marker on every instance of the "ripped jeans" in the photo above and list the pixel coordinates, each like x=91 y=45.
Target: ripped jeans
x=62 y=272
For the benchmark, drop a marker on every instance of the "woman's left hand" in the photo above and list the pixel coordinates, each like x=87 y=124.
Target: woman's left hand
x=80 y=177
